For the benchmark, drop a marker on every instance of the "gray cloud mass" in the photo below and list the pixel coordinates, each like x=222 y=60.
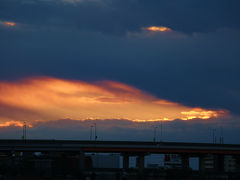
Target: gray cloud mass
x=121 y=16
x=197 y=64
x=123 y=130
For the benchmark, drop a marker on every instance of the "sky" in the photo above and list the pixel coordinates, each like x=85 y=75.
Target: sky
x=130 y=66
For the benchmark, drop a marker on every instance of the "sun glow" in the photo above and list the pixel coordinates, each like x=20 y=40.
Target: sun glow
x=46 y=99
x=10 y=23
x=158 y=29
x=7 y=23
x=13 y=123
x=199 y=113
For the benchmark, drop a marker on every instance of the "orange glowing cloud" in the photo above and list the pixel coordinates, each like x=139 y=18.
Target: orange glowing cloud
x=12 y=123
x=158 y=29
x=8 y=23
x=45 y=99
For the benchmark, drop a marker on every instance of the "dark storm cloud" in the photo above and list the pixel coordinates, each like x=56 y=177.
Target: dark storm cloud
x=62 y=39
x=200 y=70
x=123 y=130
x=121 y=16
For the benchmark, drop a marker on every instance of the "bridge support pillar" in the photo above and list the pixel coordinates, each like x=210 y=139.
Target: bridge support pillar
x=201 y=163
x=219 y=163
x=140 y=161
x=237 y=158
x=125 y=161
x=81 y=161
x=185 y=161
x=211 y=163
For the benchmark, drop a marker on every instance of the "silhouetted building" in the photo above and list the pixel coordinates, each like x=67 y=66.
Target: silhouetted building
x=172 y=161
x=105 y=160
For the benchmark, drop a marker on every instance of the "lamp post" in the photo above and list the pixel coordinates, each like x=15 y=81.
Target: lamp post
x=214 y=137
x=154 y=133
x=91 y=131
x=24 y=135
x=95 y=125
x=161 y=130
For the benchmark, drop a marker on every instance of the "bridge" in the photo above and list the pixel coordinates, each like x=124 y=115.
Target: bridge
x=118 y=147
x=127 y=149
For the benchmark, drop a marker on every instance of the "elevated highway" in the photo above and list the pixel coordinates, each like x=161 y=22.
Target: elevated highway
x=117 y=147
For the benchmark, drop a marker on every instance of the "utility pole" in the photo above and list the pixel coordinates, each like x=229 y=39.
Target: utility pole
x=213 y=136
x=95 y=125
x=161 y=130
x=221 y=136
x=24 y=133
x=91 y=132
x=154 y=133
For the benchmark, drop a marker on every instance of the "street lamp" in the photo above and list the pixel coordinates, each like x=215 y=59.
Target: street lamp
x=91 y=131
x=24 y=135
x=154 y=133
x=95 y=125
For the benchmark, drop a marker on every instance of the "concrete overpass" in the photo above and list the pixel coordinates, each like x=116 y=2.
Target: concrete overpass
x=118 y=147
x=126 y=149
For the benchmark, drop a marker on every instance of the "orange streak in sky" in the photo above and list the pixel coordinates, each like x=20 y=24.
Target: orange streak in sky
x=7 y=23
x=45 y=99
x=10 y=24
x=13 y=123
x=158 y=29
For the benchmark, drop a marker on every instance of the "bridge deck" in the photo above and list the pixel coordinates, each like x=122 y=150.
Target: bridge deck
x=118 y=147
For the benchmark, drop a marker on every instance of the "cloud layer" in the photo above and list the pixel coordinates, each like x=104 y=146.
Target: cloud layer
x=121 y=16
x=119 y=130
x=195 y=63
x=44 y=99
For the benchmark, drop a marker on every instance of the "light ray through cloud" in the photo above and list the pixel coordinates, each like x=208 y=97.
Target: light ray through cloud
x=46 y=98
x=8 y=23
x=158 y=29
